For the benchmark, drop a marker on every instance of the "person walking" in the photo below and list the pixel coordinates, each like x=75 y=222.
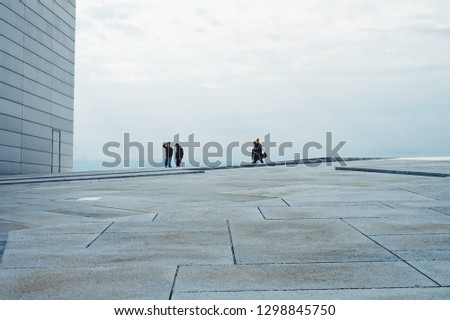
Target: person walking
x=169 y=154
x=257 y=151
x=179 y=153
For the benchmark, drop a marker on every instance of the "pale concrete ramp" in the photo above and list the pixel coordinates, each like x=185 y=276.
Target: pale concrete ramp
x=246 y=233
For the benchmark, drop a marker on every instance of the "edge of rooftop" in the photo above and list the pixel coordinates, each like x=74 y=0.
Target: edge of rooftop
x=145 y=172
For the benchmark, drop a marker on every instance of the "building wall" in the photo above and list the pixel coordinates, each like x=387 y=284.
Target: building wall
x=37 y=64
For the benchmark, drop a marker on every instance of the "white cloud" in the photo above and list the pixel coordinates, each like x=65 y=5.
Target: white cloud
x=243 y=68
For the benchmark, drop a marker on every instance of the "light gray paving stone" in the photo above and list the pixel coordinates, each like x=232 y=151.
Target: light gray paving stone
x=438 y=270
x=168 y=238
x=118 y=281
x=412 y=204
x=345 y=211
x=434 y=241
x=423 y=254
x=402 y=225
x=253 y=201
x=88 y=226
x=109 y=254
x=97 y=212
x=38 y=218
x=326 y=212
x=6 y=226
x=360 y=203
x=168 y=226
x=312 y=251
x=431 y=193
x=211 y=213
x=443 y=210
x=293 y=232
x=296 y=277
x=57 y=241
x=368 y=195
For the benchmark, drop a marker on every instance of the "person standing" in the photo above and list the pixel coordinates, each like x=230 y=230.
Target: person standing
x=169 y=154
x=179 y=153
x=257 y=151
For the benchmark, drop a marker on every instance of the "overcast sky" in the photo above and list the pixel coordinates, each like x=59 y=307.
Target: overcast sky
x=375 y=73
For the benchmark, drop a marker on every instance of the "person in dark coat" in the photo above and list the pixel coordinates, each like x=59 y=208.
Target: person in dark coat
x=169 y=154
x=179 y=153
x=257 y=151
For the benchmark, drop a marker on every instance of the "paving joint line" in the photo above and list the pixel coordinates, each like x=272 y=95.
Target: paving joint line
x=387 y=205
x=38 y=234
x=419 y=194
x=338 y=218
x=99 y=235
x=172 y=290
x=285 y=202
x=260 y=211
x=393 y=253
x=231 y=242
x=435 y=210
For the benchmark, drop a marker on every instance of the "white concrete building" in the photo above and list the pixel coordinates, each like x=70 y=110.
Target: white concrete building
x=37 y=63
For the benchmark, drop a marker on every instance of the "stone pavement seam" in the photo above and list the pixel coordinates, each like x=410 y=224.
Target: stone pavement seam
x=100 y=235
x=172 y=290
x=312 y=289
x=387 y=205
x=436 y=209
x=264 y=217
x=418 y=194
x=231 y=242
x=315 y=276
x=393 y=253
